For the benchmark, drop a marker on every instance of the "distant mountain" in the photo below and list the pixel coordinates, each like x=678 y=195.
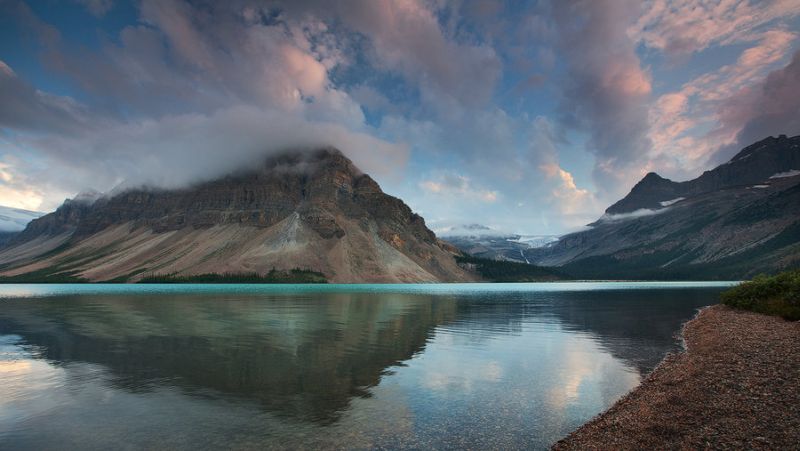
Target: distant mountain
x=313 y=211
x=737 y=220
x=14 y=220
x=485 y=242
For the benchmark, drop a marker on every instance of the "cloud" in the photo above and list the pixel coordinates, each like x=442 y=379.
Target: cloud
x=722 y=103
x=190 y=95
x=727 y=80
x=189 y=77
x=470 y=230
x=640 y=213
x=17 y=193
x=536 y=115
x=688 y=26
x=178 y=150
x=488 y=143
x=405 y=37
x=183 y=57
x=575 y=204
x=605 y=91
x=372 y=99
x=608 y=92
x=98 y=8
x=457 y=186
x=768 y=108
x=25 y=108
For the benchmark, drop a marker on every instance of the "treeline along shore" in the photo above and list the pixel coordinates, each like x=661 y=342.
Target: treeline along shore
x=736 y=386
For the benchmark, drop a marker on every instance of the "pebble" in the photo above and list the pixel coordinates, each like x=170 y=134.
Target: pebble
x=739 y=388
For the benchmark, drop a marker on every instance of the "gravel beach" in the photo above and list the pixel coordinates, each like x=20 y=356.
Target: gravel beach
x=736 y=387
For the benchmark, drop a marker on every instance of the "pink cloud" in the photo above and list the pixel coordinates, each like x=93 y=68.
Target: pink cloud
x=680 y=121
x=606 y=90
x=688 y=26
x=565 y=195
x=457 y=186
x=174 y=18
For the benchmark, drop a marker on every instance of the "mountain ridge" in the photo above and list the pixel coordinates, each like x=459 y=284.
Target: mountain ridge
x=734 y=221
x=749 y=166
x=313 y=210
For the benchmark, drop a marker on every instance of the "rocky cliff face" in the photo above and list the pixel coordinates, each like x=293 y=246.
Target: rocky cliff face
x=310 y=210
x=737 y=220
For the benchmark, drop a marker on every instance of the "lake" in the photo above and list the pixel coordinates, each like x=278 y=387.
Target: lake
x=508 y=366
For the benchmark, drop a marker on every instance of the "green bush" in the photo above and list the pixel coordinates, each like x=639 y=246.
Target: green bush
x=773 y=295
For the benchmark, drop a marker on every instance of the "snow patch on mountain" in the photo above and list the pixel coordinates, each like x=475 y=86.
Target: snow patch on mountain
x=790 y=173
x=642 y=212
x=667 y=203
x=478 y=233
x=535 y=241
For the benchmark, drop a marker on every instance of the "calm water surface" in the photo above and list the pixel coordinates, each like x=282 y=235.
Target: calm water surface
x=368 y=366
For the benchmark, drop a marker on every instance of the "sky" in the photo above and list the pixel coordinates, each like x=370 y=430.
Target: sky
x=527 y=117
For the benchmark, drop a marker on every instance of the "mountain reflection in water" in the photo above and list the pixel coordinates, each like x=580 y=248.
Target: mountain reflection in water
x=515 y=369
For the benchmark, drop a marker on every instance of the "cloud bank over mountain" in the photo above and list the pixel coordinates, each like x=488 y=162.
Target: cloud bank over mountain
x=530 y=117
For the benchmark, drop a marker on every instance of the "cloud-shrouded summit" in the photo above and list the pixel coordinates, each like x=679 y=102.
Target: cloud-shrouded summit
x=528 y=118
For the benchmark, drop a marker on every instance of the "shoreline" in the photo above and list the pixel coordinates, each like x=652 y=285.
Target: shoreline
x=735 y=385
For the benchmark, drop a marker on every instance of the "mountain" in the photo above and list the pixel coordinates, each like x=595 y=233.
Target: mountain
x=755 y=163
x=484 y=242
x=14 y=220
x=737 y=220
x=309 y=210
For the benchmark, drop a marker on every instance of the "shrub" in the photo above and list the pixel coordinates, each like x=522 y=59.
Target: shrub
x=773 y=295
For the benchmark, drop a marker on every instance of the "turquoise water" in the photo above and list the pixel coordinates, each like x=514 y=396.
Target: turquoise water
x=512 y=366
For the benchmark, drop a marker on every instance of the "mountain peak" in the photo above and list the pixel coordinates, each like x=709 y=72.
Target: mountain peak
x=89 y=196
x=652 y=176
x=765 y=143
x=305 y=159
x=753 y=164
x=651 y=179
x=303 y=209
x=731 y=222
x=647 y=194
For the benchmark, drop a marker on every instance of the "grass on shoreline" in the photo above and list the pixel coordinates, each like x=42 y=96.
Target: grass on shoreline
x=772 y=295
